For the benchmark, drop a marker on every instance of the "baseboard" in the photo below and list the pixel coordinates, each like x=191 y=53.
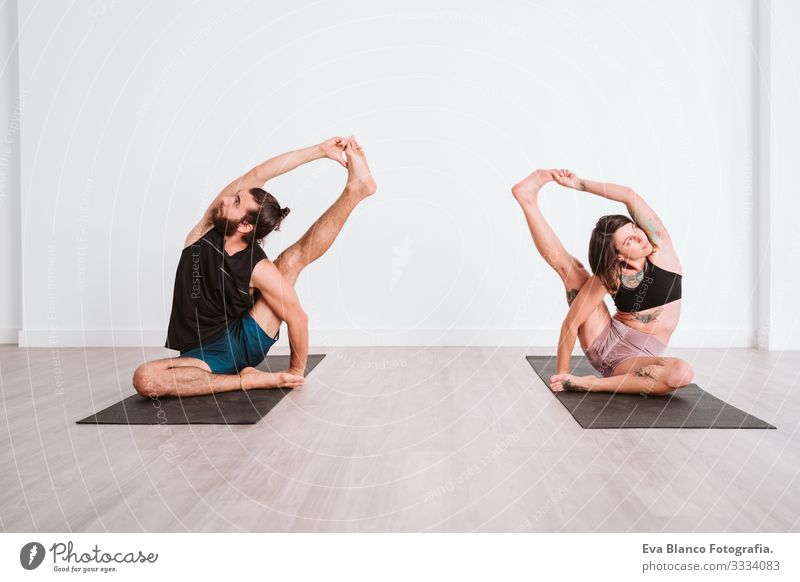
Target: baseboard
x=8 y=335
x=70 y=338
x=683 y=338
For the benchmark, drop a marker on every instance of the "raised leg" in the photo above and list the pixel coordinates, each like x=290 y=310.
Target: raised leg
x=193 y=377
x=571 y=271
x=635 y=375
x=319 y=238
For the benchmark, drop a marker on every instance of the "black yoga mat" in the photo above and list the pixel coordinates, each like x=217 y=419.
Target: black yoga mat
x=688 y=407
x=237 y=407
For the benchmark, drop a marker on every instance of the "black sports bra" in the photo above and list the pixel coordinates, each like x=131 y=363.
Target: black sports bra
x=658 y=287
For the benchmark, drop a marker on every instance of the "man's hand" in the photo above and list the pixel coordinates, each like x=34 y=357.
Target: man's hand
x=333 y=148
x=296 y=372
x=567 y=178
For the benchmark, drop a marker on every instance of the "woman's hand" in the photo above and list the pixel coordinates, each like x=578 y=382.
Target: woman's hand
x=557 y=382
x=568 y=383
x=567 y=178
x=333 y=149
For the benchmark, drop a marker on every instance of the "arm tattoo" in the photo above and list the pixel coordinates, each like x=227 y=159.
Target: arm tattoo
x=571 y=295
x=653 y=231
x=581 y=186
x=648 y=317
x=652 y=227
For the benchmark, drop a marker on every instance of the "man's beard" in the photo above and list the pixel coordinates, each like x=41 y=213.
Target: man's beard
x=222 y=225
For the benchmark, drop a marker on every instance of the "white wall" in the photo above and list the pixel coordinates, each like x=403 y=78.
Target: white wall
x=136 y=115
x=779 y=144
x=10 y=104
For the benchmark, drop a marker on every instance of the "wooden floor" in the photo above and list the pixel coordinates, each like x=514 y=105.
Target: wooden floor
x=394 y=439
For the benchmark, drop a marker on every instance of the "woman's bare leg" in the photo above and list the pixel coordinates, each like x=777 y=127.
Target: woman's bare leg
x=546 y=241
x=635 y=375
x=571 y=271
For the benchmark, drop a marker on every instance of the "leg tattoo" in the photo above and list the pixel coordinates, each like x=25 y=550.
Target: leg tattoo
x=651 y=379
x=569 y=386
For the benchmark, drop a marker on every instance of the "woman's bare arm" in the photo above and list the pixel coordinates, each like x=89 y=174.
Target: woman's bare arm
x=647 y=219
x=641 y=213
x=586 y=301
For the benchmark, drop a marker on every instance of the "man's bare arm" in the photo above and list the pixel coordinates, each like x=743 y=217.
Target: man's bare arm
x=261 y=174
x=331 y=148
x=284 y=303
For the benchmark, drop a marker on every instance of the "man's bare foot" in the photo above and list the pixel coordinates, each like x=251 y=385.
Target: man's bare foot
x=252 y=378
x=359 y=178
x=570 y=383
x=526 y=191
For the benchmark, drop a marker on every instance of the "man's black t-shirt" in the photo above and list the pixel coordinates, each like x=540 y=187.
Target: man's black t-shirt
x=212 y=289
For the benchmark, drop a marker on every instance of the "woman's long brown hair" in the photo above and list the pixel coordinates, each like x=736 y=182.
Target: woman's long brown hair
x=603 y=252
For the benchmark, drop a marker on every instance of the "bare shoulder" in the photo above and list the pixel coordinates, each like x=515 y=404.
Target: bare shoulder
x=595 y=286
x=198 y=232
x=586 y=301
x=592 y=291
x=265 y=274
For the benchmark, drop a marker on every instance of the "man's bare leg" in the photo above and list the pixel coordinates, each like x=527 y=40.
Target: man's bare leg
x=193 y=377
x=319 y=238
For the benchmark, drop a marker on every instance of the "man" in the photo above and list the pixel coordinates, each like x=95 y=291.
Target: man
x=229 y=299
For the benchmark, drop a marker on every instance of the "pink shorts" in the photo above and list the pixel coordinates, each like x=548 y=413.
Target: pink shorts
x=618 y=341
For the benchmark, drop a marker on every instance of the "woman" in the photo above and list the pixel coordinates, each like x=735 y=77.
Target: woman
x=633 y=260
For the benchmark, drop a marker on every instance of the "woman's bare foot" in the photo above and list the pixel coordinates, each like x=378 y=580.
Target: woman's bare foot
x=570 y=383
x=526 y=191
x=252 y=378
x=359 y=178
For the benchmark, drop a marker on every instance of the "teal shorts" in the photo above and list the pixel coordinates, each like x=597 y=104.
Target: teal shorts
x=242 y=344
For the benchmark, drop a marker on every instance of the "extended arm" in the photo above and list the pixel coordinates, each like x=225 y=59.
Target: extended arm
x=287 y=162
x=586 y=301
x=641 y=213
x=647 y=219
x=284 y=303
x=609 y=190
x=265 y=171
